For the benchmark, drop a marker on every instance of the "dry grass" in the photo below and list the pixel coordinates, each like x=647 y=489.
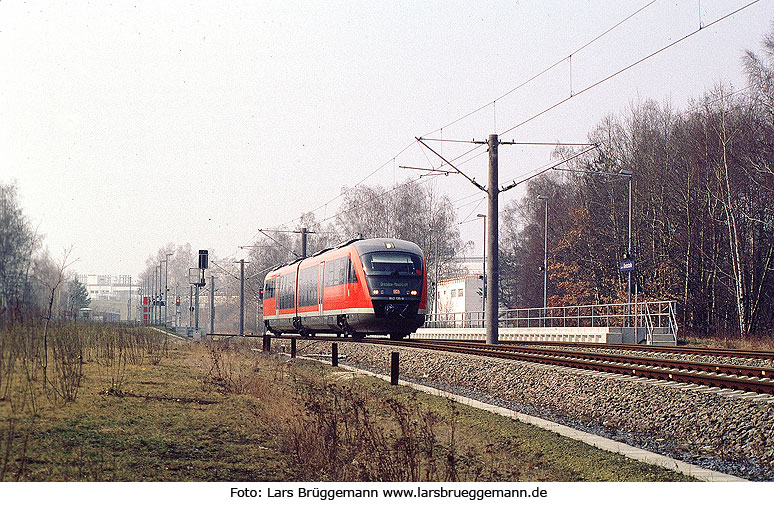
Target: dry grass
x=342 y=427
x=149 y=409
x=756 y=343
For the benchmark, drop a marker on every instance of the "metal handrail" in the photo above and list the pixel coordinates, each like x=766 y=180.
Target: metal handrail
x=590 y=315
x=648 y=324
x=673 y=318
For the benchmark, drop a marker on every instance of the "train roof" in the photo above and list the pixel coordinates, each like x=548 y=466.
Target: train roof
x=380 y=244
x=362 y=246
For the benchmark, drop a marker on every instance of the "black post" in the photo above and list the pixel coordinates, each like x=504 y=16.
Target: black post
x=394 y=367
x=335 y=354
x=292 y=347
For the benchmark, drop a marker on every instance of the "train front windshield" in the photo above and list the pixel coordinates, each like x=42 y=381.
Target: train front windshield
x=392 y=263
x=393 y=275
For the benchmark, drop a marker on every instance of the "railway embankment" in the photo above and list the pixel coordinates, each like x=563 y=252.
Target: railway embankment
x=730 y=432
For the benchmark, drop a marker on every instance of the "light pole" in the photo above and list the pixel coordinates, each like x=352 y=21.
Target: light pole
x=630 y=175
x=156 y=291
x=166 y=288
x=545 y=199
x=435 y=290
x=483 y=277
x=158 y=311
x=129 y=303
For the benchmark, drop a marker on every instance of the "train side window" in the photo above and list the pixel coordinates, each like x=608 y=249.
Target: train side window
x=330 y=273
x=341 y=271
x=307 y=287
x=268 y=289
x=336 y=271
x=287 y=291
x=351 y=274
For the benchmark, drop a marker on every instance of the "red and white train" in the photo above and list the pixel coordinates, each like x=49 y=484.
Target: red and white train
x=364 y=286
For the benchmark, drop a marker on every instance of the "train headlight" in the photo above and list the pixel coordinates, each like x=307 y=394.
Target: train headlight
x=375 y=291
x=413 y=292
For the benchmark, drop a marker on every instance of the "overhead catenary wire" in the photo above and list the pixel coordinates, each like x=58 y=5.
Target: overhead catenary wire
x=279 y=243
x=223 y=269
x=627 y=67
x=507 y=93
x=545 y=70
x=544 y=169
x=544 y=111
x=465 y=219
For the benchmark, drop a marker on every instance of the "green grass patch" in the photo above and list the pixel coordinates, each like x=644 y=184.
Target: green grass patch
x=218 y=411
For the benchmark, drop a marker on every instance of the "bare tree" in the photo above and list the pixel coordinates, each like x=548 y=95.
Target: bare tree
x=18 y=242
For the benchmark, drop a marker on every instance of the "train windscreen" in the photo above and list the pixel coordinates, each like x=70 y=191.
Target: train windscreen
x=392 y=263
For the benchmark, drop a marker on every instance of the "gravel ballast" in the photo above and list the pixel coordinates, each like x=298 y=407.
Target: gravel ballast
x=729 y=434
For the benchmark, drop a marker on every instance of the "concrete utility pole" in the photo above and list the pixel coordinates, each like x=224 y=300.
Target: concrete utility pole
x=166 y=287
x=492 y=271
x=152 y=298
x=303 y=242
x=158 y=295
x=156 y=280
x=437 y=284
x=629 y=250
x=242 y=297
x=212 y=304
x=493 y=265
x=129 y=302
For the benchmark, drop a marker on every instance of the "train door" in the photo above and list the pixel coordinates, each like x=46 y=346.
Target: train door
x=320 y=287
x=276 y=295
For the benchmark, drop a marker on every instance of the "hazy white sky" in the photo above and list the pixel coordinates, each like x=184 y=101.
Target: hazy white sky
x=133 y=124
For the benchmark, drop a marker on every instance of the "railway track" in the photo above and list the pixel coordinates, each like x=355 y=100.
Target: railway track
x=649 y=348
x=713 y=374
x=738 y=377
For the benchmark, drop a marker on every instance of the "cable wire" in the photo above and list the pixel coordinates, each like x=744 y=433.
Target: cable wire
x=547 y=69
x=624 y=69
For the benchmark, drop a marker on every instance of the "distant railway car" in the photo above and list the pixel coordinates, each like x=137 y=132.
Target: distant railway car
x=365 y=286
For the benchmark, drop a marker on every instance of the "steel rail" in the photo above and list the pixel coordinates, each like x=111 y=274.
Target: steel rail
x=739 y=370
x=678 y=350
x=640 y=367
x=747 y=378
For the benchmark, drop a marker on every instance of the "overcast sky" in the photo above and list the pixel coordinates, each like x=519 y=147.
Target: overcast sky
x=133 y=124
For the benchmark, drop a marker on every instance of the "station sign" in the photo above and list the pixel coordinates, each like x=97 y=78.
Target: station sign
x=626 y=266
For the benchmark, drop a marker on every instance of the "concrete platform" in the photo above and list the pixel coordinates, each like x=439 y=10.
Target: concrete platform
x=567 y=334
x=604 y=335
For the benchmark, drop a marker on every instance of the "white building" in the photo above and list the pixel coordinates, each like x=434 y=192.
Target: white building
x=107 y=287
x=460 y=298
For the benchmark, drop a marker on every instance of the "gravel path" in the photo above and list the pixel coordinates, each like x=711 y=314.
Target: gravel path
x=695 y=424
